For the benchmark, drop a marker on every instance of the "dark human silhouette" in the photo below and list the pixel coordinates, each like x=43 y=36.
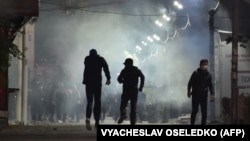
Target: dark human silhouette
x=129 y=77
x=199 y=84
x=92 y=79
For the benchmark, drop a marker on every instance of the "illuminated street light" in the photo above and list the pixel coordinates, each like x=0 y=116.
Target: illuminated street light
x=178 y=5
x=144 y=43
x=158 y=23
x=166 y=17
x=156 y=37
x=138 y=48
x=150 y=39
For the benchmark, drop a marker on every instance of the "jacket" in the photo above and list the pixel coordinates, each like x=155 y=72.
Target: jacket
x=92 y=75
x=129 y=76
x=200 y=82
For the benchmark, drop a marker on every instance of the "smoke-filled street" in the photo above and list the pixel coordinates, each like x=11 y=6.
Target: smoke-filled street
x=165 y=38
x=70 y=67
x=117 y=30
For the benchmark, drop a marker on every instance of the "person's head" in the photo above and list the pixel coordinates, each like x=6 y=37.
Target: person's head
x=204 y=64
x=128 y=62
x=92 y=52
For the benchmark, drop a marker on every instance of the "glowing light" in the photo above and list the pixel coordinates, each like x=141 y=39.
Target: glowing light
x=158 y=23
x=156 y=37
x=166 y=17
x=178 y=5
x=150 y=39
x=144 y=43
x=138 y=48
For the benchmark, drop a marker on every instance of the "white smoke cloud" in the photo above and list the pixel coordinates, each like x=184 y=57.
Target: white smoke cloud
x=115 y=36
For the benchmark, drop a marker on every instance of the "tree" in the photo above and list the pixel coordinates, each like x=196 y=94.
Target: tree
x=8 y=49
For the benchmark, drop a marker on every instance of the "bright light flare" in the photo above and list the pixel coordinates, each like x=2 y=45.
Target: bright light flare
x=150 y=39
x=138 y=48
x=167 y=18
x=178 y=5
x=144 y=43
x=156 y=37
x=158 y=23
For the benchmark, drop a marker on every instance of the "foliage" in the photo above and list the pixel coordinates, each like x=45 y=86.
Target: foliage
x=8 y=49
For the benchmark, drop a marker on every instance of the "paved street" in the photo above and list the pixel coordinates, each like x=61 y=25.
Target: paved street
x=47 y=132
x=62 y=131
x=50 y=132
x=76 y=138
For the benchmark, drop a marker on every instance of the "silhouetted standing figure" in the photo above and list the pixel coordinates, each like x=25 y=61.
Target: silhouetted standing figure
x=92 y=79
x=198 y=85
x=129 y=77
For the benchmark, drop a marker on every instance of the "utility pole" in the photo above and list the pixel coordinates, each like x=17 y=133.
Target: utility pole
x=211 y=14
x=24 y=77
x=234 y=67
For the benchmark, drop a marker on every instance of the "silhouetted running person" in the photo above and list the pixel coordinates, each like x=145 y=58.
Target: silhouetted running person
x=198 y=85
x=92 y=79
x=129 y=77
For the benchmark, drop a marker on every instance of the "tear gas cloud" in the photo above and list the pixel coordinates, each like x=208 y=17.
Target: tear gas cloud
x=67 y=39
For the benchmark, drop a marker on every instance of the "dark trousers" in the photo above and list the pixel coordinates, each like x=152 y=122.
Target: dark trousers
x=129 y=95
x=93 y=93
x=196 y=102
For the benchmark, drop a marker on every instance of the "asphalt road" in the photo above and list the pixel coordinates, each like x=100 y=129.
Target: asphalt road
x=47 y=133
x=46 y=138
x=32 y=138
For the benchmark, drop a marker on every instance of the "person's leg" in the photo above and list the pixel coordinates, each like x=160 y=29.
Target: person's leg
x=133 y=103
x=123 y=106
x=203 y=110
x=89 y=96
x=195 y=107
x=97 y=105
